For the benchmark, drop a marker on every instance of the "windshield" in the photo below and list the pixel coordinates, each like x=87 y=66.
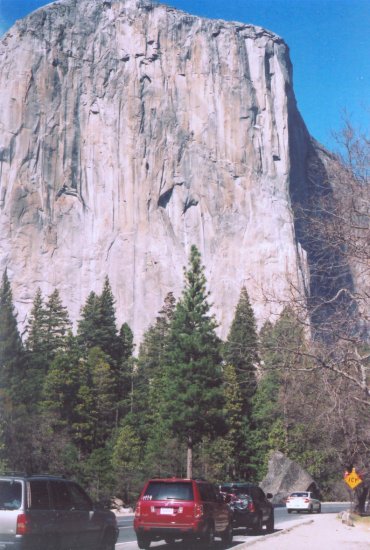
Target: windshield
x=163 y=490
x=10 y=494
x=299 y=495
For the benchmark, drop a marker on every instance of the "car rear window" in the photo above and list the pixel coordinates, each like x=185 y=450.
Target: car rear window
x=299 y=495
x=241 y=490
x=10 y=495
x=39 y=495
x=167 y=490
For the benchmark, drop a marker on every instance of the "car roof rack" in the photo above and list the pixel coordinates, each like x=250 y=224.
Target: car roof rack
x=60 y=476
x=13 y=473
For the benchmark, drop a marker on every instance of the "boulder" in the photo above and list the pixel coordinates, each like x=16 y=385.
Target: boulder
x=285 y=476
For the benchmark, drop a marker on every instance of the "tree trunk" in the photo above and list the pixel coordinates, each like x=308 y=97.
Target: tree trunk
x=189 y=461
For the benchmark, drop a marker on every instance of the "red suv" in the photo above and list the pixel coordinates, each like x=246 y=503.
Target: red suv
x=187 y=509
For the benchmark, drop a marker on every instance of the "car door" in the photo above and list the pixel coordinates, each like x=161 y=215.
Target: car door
x=74 y=516
x=89 y=529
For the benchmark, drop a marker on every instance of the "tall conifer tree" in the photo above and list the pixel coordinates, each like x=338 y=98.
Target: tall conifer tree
x=89 y=323
x=109 y=340
x=193 y=364
x=149 y=391
x=11 y=348
x=97 y=326
x=13 y=386
x=241 y=349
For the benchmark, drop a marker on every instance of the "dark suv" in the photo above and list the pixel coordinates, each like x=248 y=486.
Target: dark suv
x=250 y=506
x=186 y=509
x=52 y=513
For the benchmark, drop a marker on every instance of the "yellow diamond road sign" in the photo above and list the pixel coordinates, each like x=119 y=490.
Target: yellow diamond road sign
x=352 y=479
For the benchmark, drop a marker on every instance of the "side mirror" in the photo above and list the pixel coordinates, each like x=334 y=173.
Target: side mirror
x=269 y=495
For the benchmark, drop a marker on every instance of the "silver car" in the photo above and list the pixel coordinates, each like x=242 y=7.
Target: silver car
x=52 y=513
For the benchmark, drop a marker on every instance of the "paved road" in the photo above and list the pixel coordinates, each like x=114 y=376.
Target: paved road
x=127 y=539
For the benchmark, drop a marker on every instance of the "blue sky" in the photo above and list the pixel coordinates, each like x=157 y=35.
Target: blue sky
x=329 y=43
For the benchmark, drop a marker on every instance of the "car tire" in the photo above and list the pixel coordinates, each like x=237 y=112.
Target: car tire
x=310 y=510
x=227 y=536
x=208 y=539
x=169 y=540
x=108 y=542
x=319 y=509
x=290 y=511
x=270 y=523
x=143 y=542
x=258 y=527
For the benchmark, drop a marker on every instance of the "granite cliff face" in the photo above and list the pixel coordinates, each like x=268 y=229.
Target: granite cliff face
x=128 y=132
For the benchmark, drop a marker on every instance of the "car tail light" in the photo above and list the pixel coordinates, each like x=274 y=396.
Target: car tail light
x=137 y=510
x=307 y=500
x=23 y=524
x=198 y=511
x=251 y=507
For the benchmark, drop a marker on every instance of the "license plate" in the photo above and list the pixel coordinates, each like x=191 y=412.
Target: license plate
x=167 y=511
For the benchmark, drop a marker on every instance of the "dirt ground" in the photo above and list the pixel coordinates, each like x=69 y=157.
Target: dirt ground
x=321 y=532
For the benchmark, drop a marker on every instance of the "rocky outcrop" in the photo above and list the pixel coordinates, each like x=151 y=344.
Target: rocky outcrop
x=128 y=132
x=285 y=476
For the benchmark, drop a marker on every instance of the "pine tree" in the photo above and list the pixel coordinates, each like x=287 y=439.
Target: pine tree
x=11 y=348
x=89 y=323
x=36 y=325
x=62 y=384
x=126 y=458
x=47 y=330
x=57 y=324
x=193 y=400
x=102 y=415
x=36 y=348
x=152 y=354
x=241 y=349
x=233 y=411
x=124 y=372
x=12 y=389
x=97 y=326
x=266 y=412
x=108 y=338
x=148 y=391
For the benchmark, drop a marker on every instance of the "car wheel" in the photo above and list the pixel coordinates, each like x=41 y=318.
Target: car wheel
x=319 y=509
x=258 y=527
x=169 y=540
x=143 y=542
x=270 y=523
x=290 y=511
x=208 y=540
x=227 y=536
x=109 y=542
x=310 y=510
